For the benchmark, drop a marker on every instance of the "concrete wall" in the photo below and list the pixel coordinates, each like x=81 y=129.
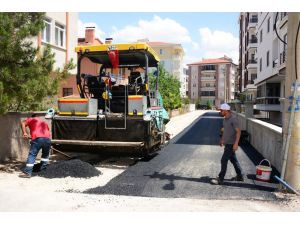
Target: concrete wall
x=13 y=146
x=265 y=138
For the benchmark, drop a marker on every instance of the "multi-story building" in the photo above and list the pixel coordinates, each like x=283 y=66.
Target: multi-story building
x=186 y=81
x=60 y=33
x=269 y=58
x=248 y=59
x=171 y=57
x=212 y=80
x=271 y=55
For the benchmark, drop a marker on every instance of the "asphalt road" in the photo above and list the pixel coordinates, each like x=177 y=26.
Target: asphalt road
x=183 y=169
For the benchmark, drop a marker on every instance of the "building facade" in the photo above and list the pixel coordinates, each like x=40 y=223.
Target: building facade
x=269 y=61
x=248 y=58
x=60 y=33
x=171 y=57
x=212 y=80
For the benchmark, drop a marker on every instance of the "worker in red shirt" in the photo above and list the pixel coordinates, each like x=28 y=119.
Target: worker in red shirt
x=40 y=139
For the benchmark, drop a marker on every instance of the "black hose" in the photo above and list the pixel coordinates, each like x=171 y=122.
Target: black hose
x=276 y=29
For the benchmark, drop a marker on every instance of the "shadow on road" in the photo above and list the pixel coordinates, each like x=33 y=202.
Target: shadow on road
x=206 y=179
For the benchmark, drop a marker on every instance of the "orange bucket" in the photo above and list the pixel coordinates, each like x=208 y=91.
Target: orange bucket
x=263 y=173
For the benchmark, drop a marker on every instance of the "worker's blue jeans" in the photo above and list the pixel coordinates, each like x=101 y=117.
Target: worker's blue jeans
x=35 y=146
x=229 y=154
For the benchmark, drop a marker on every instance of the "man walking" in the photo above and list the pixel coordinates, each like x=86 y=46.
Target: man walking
x=40 y=139
x=230 y=138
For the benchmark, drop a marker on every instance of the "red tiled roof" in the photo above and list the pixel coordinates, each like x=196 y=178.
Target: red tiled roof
x=211 y=61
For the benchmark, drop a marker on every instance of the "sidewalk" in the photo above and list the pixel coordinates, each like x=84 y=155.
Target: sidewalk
x=179 y=123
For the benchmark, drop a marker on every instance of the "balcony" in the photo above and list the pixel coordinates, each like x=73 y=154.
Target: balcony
x=204 y=78
x=252 y=44
x=252 y=64
x=268 y=104
x=283 y=19
x=204 y=88
x=252 y=22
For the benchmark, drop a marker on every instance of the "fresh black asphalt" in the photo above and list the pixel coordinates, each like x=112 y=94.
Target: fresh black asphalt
x=184 y=168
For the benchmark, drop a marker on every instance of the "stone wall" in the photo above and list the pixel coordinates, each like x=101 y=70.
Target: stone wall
x=12 y=145
x=265 y=138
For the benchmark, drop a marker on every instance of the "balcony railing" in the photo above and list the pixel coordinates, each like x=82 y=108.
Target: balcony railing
x=252 y=61
x=268 y=100
x=253 y=41
x=249 y=81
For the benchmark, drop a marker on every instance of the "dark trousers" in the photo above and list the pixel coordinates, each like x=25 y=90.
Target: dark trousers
x=229 y=154
x=35 y=146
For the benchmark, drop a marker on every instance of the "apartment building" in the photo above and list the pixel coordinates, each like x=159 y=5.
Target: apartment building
x=247 y=54
x=212 y=80
x=60 y=33
x=268 y=57
x=171 y=57
x=271 y=55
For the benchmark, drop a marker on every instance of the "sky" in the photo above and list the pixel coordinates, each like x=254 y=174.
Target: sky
x=201 y=34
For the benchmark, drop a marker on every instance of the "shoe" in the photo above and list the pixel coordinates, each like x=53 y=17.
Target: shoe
x=25 y=175
x=237 y=178
x=216 y=181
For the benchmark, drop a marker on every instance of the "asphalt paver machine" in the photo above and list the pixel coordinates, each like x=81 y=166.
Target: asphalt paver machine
x=116 y=108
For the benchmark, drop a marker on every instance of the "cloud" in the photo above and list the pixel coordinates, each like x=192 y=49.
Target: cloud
x=217 y=43
x=157 y=29
x=98 y=32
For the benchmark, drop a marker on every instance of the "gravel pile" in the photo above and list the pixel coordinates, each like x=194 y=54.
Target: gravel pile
x=71 y=168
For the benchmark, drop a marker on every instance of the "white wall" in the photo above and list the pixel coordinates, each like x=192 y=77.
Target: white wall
x=264 y=46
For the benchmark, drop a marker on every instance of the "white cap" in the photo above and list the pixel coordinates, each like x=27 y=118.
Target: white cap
x=225 y=106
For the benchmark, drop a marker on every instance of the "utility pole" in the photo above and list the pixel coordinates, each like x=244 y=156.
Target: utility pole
x=291 y=124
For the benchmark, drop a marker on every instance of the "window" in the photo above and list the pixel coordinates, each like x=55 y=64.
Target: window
x=268 y=57
x=160 y=51
x=261 y=36
x=46 y=33
x=260 y=64
x=59 y=35
x=268 y=30
x=67 y=91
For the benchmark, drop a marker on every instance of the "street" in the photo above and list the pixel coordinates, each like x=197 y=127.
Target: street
x=183 y=169
x=175 y=179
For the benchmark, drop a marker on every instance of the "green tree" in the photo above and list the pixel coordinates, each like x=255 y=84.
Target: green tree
x=27 y=78
x=186 y=101
x=198 y=103
x=209 y=104
x=169 y=88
